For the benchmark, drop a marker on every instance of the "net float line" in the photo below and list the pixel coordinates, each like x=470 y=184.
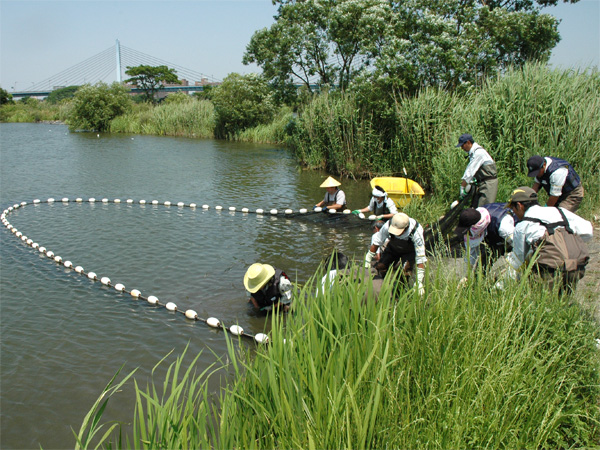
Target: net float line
x=136 y=294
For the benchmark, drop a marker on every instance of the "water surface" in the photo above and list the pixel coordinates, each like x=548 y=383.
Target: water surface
x=63 y=336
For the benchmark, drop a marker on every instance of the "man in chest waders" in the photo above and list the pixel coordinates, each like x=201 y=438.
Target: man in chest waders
x=405 y=248
x=334 y=197
x=481 y=173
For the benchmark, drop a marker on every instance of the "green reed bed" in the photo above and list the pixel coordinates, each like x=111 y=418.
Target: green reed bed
x=534 y=110
x=192 y=118
x=461 y=368
x=32 y=110
x=275 y=132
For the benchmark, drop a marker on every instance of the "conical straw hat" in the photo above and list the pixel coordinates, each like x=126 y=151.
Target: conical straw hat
x=330 y=182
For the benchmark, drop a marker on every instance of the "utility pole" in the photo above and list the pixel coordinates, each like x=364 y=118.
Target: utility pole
x=118 y=62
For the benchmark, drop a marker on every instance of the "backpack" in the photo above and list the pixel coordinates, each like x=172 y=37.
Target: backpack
x=561 y=249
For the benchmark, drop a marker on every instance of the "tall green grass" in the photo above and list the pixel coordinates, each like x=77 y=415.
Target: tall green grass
x=32 y=111
x=534 y=110
x=275 y=132
x=461 y=368
x=192 y=118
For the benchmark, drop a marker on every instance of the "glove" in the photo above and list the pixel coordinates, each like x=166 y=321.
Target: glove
x=463 y=282
x=315 y=207
x=463 y=193
x=453 y=205
x=368 y=258
x=379 y=217
x=356 y=211
x=361 y=215
x=420 y=279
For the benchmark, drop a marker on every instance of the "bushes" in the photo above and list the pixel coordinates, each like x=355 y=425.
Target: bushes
x=94 y=107
x=242 y=101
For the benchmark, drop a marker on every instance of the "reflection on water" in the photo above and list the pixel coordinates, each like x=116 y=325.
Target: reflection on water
x=63 y=336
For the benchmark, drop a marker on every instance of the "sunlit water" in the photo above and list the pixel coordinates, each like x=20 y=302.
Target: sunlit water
x=63 y=336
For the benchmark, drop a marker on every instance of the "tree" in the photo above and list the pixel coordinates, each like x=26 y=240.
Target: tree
x=404 y=45
x=319 y=42
x=58 y=95
x=151 y=79
x=242 y=101
x=95 y=106
x=5 y=97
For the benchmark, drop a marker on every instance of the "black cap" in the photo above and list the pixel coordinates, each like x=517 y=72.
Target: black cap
x=463 y=139
x=534 y=164
x=466 y=220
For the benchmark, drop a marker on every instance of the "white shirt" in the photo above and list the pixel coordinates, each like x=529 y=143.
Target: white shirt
x=528 y=233
x=380 y=237
x=477 y=157
x=391 y=206
x=557 y=179
x=339 y=198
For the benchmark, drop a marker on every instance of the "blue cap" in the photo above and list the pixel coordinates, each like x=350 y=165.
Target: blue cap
x=463 y=139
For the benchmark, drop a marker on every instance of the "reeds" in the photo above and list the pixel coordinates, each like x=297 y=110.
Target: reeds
x=192 y=118
x=462 y=367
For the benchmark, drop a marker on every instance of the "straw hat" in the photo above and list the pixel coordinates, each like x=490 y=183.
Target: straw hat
x=257 y=276
x=398 y=224
x=330 y=182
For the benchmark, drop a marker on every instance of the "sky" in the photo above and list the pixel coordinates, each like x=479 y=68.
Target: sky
x=39 y=39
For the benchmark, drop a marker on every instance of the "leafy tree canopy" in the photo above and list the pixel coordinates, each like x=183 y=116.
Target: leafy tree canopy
x=58 y=95
x=95 y=106
x=405 y=44
x=5 y=97
x=242 y=101
x=151 y=78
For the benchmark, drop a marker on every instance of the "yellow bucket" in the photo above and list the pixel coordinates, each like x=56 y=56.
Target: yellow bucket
x=401 y=190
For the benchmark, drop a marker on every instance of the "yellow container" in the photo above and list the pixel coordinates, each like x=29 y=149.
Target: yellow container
x=401 y=190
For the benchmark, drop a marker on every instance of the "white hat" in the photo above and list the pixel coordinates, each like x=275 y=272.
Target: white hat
x=330 y=182
x=398 y=224
x=257 y=276
x=377 y=193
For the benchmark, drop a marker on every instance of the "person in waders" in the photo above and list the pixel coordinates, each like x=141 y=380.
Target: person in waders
x=405 y=248
x=559 y=180
x=334 y=197
x=491 y=225
x=481 y=173
x=380 y=205
x=555 y=233
x=270 y=288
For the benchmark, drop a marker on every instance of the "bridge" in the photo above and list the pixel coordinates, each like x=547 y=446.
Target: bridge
x=110 y=65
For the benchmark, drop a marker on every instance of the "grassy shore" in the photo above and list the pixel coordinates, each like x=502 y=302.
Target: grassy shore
x=462 y=367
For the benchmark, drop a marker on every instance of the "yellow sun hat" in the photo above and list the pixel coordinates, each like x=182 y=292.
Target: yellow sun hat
x=330 y=182
x=257 y=276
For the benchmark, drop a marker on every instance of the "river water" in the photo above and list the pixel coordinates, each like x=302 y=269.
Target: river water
x=63 y=336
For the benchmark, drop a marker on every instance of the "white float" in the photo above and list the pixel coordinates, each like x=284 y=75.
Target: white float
x=213 y=322
x=181 y=204
x=152 y=300
x=245 y=210
x=318 y=209
x=50 y=254
x=273 y=211
x=105 y=281
x=129 y=201
x=68 y=264
x=36 y=201
x=104 y=200
x=232 y=208
x=142 y=202
x=50 y=200
x=79 y=269
x=92 y=275
x=218 y=208
x=261 y=338
x=236 y=329
x=191 y=314
x=65 y=200
x=167 y=203
x=372 y=217
x=289 y=211
x=91 y=200
x=192 y=205
x=259 y=211
x=155 y=202
x=119 y=287
x=58 y=259
x=205 y=206
x=171 y=306
x=135 y=293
